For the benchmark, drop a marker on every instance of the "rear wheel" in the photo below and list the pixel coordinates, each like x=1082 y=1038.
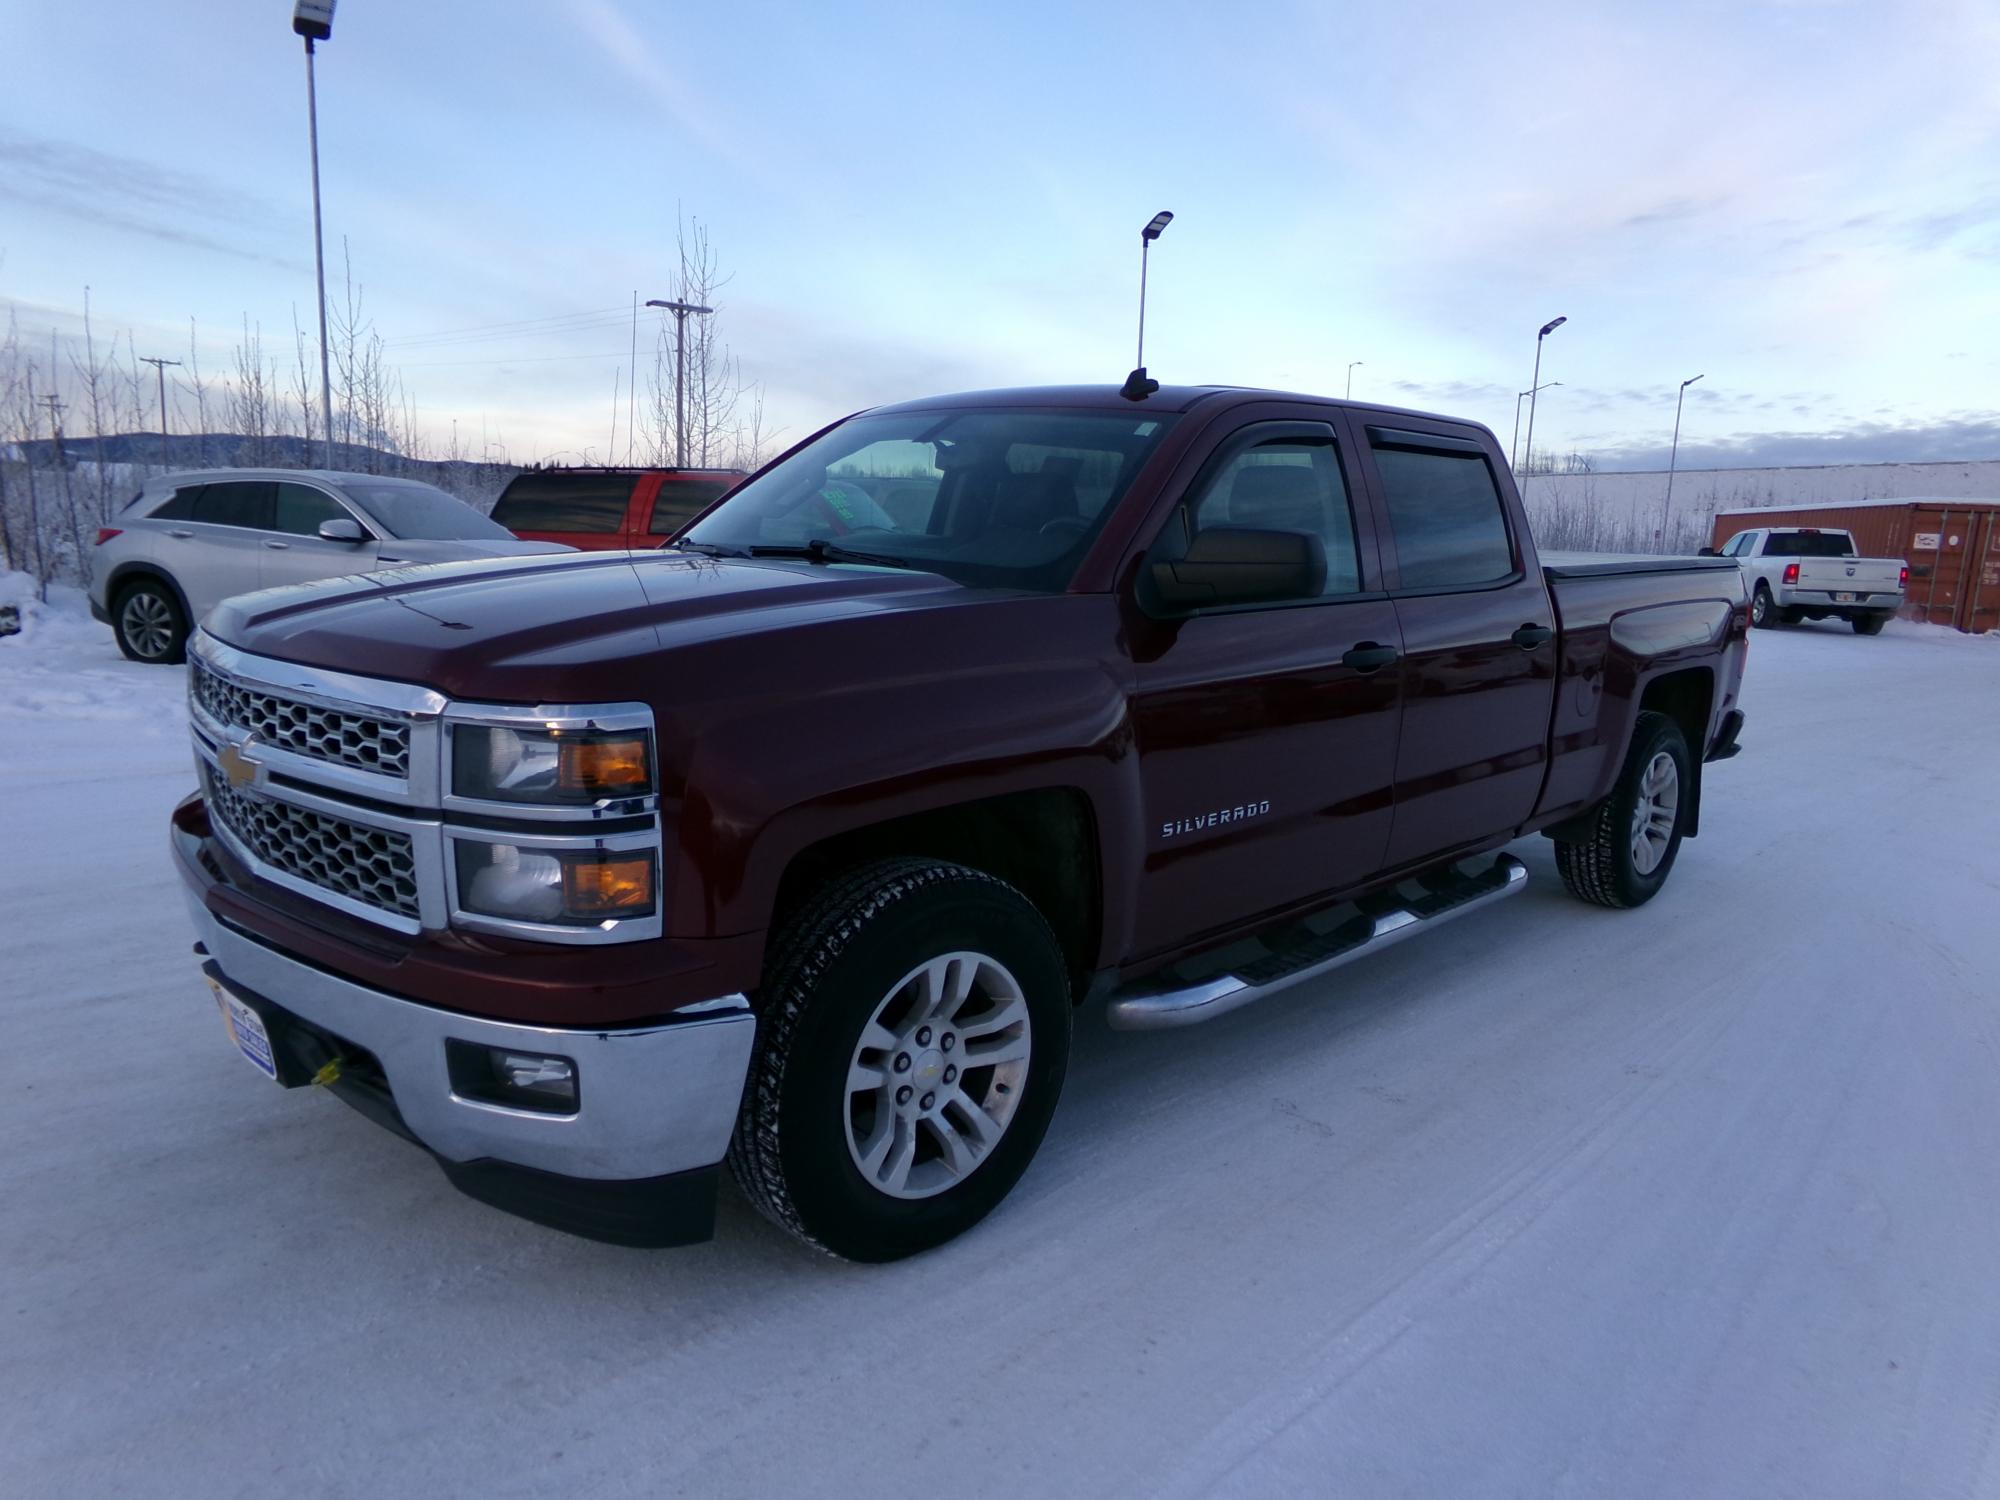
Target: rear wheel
x=1633 y=835
x=1869 y=624
x=915 y=1033
x=149 y=624
x=1763 y=612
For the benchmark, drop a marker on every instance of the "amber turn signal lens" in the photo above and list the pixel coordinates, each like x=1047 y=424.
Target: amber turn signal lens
x=602 y=767
x=608 y=886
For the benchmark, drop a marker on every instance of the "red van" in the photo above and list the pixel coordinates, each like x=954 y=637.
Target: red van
x=603 y=510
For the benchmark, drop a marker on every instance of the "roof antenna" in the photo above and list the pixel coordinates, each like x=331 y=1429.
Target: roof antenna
x=1137 y=387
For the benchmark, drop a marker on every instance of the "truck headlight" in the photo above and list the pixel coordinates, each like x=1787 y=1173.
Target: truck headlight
x=556 y=767
x=564 y=887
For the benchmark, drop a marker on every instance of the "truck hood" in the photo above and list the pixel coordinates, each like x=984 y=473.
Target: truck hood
x=546 y=630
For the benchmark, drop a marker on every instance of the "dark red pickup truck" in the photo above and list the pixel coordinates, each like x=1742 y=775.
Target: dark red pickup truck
x=796 y=844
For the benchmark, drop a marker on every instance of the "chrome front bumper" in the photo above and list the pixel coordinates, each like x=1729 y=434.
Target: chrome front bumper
x=652 y=1101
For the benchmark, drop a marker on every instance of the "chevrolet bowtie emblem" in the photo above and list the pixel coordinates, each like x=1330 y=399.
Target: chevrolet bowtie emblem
x=236 y=766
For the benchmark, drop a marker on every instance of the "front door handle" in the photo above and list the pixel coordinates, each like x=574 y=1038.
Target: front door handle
x=277 y=546
x=1530 y=636
x=1369 y=657
x=176 y=532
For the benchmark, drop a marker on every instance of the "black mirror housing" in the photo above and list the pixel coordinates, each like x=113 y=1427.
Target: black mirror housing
x=342 y=529
x=1241 y=565
x=1708 y=552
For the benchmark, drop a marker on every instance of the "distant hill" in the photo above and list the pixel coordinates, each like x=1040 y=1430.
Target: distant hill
x=194 y=450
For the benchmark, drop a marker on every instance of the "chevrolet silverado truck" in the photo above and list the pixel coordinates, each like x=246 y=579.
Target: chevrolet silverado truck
x=796 y=844
x=1812 y=573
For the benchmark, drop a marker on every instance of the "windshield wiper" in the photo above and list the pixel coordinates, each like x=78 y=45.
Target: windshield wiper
x=706 y=549
x=820 y=550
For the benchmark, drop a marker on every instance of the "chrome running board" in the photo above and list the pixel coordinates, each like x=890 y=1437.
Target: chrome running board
x=1151 y=1007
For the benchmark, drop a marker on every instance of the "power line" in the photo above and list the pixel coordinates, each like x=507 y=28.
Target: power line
x=502 y=359
x=524 y=324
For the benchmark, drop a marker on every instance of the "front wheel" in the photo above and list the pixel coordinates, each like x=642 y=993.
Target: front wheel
x=914 y=1037
x=1634 y=834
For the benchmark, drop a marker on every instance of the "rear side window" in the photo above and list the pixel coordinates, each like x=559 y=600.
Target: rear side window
x=300 y=508
x=565 y=502
x=1808 y=544
x=1446 y=517
x=238 y=503
x=179 y=506
x=681 y=500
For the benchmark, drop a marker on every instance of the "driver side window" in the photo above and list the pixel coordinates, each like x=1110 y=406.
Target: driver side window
x=1287 y=484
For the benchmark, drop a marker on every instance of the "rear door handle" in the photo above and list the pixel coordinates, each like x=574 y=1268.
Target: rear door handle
x=1369 y=657
x=175 y=531
x=277 y=546
x=1530 y=636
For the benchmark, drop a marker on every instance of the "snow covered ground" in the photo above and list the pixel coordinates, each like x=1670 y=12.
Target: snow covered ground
x=1697 y=1200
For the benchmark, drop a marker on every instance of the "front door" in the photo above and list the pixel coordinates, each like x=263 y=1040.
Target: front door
x=1266 y=734
x=295 y=552
x=1479 y=643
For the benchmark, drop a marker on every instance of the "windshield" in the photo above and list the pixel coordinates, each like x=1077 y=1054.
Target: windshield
x=411 y=512
x=1808 y=544
x=1005 y=498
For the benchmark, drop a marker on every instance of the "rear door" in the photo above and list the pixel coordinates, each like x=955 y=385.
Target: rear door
x=1478 y=632
x=675 y=500
x=580 y=509
x=1266 y=733
x=295 y=552
x=218 y=552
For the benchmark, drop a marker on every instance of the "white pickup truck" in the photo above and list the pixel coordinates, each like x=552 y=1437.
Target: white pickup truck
x=1799 y=573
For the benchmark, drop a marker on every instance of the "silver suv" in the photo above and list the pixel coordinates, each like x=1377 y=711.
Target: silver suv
x=188 y=541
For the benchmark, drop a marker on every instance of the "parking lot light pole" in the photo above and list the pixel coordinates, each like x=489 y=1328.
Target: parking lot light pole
x=313 y=20
x=1673 y=457
x=1353 y=365
x=681 y=311
x=1534 y=385
x=1514 y=446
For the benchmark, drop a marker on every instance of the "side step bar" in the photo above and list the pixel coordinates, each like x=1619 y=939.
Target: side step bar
x=1150 y=1008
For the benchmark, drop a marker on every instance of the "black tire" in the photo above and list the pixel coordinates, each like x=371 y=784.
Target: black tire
x=829 y=969
x=150 y=624
x=1601 y=868
x=1763 y=609
x=1868 y=624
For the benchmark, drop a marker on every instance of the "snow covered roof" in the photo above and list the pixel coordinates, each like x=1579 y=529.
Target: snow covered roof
x=1945 y=500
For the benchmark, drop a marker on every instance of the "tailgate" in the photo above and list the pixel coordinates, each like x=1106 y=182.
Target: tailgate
x=1866 y=575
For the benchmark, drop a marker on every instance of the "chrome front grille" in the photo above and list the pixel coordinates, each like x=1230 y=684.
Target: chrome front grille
x=339 y=737
x=374 y=866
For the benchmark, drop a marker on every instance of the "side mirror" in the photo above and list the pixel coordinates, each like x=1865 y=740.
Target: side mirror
x=1708 y=552
x=1239 y=565
x=342 y=529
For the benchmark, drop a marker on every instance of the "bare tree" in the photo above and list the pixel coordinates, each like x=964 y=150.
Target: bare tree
x=252 y=398
x=718 y=432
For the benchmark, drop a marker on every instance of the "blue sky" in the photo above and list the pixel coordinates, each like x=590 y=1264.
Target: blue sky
x=1800 y=201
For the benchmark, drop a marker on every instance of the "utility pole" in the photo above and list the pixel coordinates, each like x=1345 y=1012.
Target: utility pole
x=55 y=428
x=160 y=368
x=681 y=312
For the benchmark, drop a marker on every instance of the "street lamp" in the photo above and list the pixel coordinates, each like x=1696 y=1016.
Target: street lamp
x=1354 y=365
x=1674 y=456
x=1535 y=384
x=1513 y=447
x=1137 y=387
x=680 y=310
x=313 y=20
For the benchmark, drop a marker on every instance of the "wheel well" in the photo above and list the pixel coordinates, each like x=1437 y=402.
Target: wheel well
x=1686 y=697
x=1043 y=843
x=139 y=572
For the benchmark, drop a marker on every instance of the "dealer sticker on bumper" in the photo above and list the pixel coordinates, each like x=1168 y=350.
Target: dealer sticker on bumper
x=246 y=1029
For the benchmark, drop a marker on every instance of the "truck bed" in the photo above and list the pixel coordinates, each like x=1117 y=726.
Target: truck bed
x=1616 y=564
